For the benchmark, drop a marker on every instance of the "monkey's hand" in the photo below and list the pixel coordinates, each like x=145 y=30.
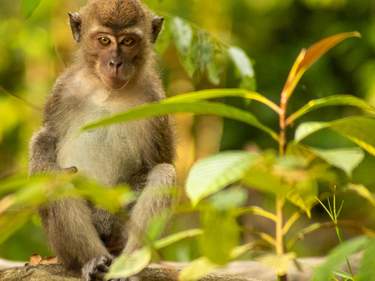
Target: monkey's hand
x=71 y=170
x=97 y=268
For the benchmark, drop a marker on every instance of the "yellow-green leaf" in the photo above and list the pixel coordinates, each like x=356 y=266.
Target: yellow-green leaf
x=212 y=174
x=161 y=109
x=223 y=93
x=308 y=57
x=339 y=100
x=129 y=265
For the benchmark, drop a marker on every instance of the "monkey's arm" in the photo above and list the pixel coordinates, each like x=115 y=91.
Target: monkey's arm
x=43 y=152
x=155 y=199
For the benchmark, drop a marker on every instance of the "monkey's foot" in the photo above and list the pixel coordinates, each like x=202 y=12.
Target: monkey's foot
x=96 y=269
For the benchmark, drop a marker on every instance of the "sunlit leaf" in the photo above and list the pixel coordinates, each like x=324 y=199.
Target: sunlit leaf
x=243 y=65
x=197 y=269
x=177 y=237
x=160 y=109
x=337 y=257
x=308 y=57
x=346 y=159
x=340 y=100
x=12 y=221
x=280 y=264
x=29 y=6
x=129 y=265
x=183 y=37
x=304 y=194
x=287 y=178
x=306 y=129
x=364 y=192
x=367 y=269
x=218 y=248
x=229 y=199
x=212 y=174
x=355 y=128
x=222 y=93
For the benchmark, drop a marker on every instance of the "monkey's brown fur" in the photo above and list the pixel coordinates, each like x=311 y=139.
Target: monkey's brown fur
x=106 y=78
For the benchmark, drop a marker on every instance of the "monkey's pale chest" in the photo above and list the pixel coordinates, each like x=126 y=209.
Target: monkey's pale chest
x=107 y=154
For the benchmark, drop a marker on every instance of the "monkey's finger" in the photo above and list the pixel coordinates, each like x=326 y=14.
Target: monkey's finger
x=71 y=170
x=103 y=268
x=97 y=276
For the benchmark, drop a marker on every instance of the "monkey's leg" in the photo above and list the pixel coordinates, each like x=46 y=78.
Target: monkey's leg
x=74 y=239
x=156 y=198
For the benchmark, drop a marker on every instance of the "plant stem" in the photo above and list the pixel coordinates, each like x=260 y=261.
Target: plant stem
x=279 y=226
x=280 y=201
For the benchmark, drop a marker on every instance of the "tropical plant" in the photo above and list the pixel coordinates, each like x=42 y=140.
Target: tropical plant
x=293 y=175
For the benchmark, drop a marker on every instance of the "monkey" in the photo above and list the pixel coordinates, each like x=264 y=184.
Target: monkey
x=114 y=69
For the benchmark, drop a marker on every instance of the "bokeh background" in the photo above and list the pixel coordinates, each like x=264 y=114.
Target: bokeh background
x=34 y=50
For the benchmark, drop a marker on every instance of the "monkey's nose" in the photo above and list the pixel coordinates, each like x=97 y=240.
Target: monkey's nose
x=115 y=63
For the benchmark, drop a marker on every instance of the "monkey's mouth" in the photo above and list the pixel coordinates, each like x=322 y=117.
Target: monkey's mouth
x=114 y=81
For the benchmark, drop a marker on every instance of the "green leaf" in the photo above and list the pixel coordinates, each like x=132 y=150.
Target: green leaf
x=306 y=129
x=340 y=100
x=212 y=174
x=129 y=265
x=243 y=65
x=220 y=236
x=308 y=57
x=177 y=237
x=367 y=269
x=160 y=109
x=358 y=129
x=286 y=178
x=229 y=199
x=10 y=222
x=183 y=37
x=222 y=93
x=364 y=192
x=337 y=258
x=346 y=159
x=280 y=263
x=28 y=7
x=197 y=269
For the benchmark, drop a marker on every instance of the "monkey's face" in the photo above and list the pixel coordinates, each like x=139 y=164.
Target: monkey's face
x=116 y=38
x=118 y=56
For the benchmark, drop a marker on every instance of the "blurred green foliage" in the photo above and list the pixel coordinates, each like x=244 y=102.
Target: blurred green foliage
x=36 y=46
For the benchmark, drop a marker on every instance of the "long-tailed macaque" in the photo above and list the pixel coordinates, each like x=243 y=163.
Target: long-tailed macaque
x=114 y=70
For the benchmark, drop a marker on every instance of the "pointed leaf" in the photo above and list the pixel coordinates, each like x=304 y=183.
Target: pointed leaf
x=364 y=192
x=177 y=237
x=358 y=129
x=340 y=100
x=218 y=248
x=367 y=269
x=346 y=159
x=129 y=265
x=213 y=174
x=28 y=7
x=308 y=57
x=197 y=269
x=183 y=37
x=243 y=65
x=337 y=258
x=306 y=129
x=160 y=109
x=223 y=93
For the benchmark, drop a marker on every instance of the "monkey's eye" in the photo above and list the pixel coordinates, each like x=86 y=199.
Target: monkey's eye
x=105 y=41
x=128 y=42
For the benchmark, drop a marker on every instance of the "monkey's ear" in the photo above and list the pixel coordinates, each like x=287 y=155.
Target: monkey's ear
x=157 y=24
x=75 y=25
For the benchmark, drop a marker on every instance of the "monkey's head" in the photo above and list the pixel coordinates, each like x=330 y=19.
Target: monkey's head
x=115 y=38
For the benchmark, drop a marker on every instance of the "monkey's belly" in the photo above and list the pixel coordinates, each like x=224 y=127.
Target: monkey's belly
x=105 y=155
